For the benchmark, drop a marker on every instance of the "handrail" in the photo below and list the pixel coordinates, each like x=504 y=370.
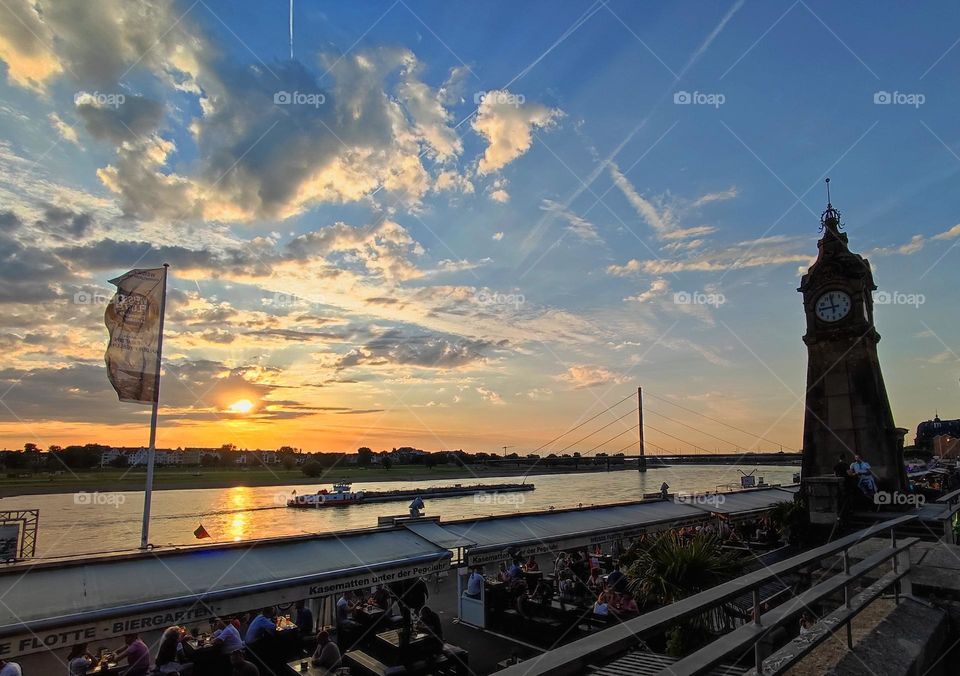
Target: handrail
x=950 y=497
x=746 y=635
x=574 y=657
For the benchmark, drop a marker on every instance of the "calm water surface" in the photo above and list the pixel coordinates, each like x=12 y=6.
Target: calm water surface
x=243 y=513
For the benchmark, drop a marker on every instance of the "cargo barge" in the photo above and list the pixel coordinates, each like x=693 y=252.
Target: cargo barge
x=342 y=495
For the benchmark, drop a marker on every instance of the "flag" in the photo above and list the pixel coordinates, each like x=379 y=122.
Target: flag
x=134 y=323
x=201 y=532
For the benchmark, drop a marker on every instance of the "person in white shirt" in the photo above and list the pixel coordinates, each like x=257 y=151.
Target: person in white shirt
x=227 y=637
x=9 y=668
x=475 y=584
x=861 y=468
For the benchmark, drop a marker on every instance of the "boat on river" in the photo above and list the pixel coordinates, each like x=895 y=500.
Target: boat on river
x=342 y=495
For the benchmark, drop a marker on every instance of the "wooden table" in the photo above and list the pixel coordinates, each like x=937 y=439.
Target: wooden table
x=293 y=667
x=392 y=639
x=110 y=668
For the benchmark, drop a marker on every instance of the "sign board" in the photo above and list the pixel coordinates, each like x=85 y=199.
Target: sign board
x=113 y=629
x=10 y=541
x=748 y=481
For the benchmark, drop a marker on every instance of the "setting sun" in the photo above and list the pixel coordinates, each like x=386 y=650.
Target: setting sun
x=242 y=406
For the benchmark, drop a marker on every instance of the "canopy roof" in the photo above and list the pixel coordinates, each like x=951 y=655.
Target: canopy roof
x=568 y=528
x=203 y=581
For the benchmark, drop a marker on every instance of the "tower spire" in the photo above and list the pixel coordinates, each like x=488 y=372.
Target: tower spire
x=830 y=218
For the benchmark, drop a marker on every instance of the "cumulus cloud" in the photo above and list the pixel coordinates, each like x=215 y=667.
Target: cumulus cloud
x=583 y=376
x=658 y=287
x=489 y=396
x=24 y=46
x=508 y=126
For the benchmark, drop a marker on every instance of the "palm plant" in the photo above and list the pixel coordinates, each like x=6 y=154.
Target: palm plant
x=670 y=568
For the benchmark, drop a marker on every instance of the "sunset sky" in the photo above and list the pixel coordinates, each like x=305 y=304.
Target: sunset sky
x=468 y=225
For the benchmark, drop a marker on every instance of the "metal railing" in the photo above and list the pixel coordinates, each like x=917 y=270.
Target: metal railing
x=604 y=646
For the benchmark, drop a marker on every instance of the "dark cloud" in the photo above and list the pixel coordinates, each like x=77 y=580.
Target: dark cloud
x=61 y=221
x=110 y=254
x=395 y=347
x=9 y=221
x=132 y=118
x=29 y=274
x=81 y=393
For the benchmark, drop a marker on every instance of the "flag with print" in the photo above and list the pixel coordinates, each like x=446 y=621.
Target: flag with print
x=201 y=533
x=134 y=323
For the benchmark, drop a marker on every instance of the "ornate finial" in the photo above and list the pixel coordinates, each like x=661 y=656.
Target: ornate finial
x=830 y=218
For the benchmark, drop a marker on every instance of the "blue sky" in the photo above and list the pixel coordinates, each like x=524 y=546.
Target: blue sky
x=488 y=211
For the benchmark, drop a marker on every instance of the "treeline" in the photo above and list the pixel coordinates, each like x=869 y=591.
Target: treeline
x=53 y=459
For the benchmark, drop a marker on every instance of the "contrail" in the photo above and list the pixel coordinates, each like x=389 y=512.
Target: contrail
x=291 y=30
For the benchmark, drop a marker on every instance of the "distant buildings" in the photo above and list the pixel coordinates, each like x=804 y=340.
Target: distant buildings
x=928 y=430
x=167 y=457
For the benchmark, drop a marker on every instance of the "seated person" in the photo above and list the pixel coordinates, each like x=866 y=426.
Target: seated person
x=616 y=580
x=602 y=606
x=262 y=626
x=79 y=661
x=9 y=668
x=515 y=572
x=381 y=597
x=503 y=574
x=627 y=605
x=594 y=582
x=531 y=566
x=475 y=584
x=136 y=653
x=170 y=650
x=568 y=588
x=241 y=667
x=430 y=624
x=227 y=637
x=327 y=654
x=345 y=607
x=303 y=618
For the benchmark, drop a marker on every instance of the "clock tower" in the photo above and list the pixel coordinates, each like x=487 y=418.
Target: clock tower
x=847 y=410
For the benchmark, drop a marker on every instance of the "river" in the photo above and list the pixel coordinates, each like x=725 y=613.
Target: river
x=72 y=524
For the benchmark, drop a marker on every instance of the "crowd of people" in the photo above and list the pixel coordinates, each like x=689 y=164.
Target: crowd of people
x=230 y=638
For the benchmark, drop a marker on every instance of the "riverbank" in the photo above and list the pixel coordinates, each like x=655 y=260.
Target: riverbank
x=111 y=479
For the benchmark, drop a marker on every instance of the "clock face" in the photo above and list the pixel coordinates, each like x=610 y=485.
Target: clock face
x=833 y=306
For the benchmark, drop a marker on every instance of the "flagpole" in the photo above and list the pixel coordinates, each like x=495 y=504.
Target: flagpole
x=151 y=453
